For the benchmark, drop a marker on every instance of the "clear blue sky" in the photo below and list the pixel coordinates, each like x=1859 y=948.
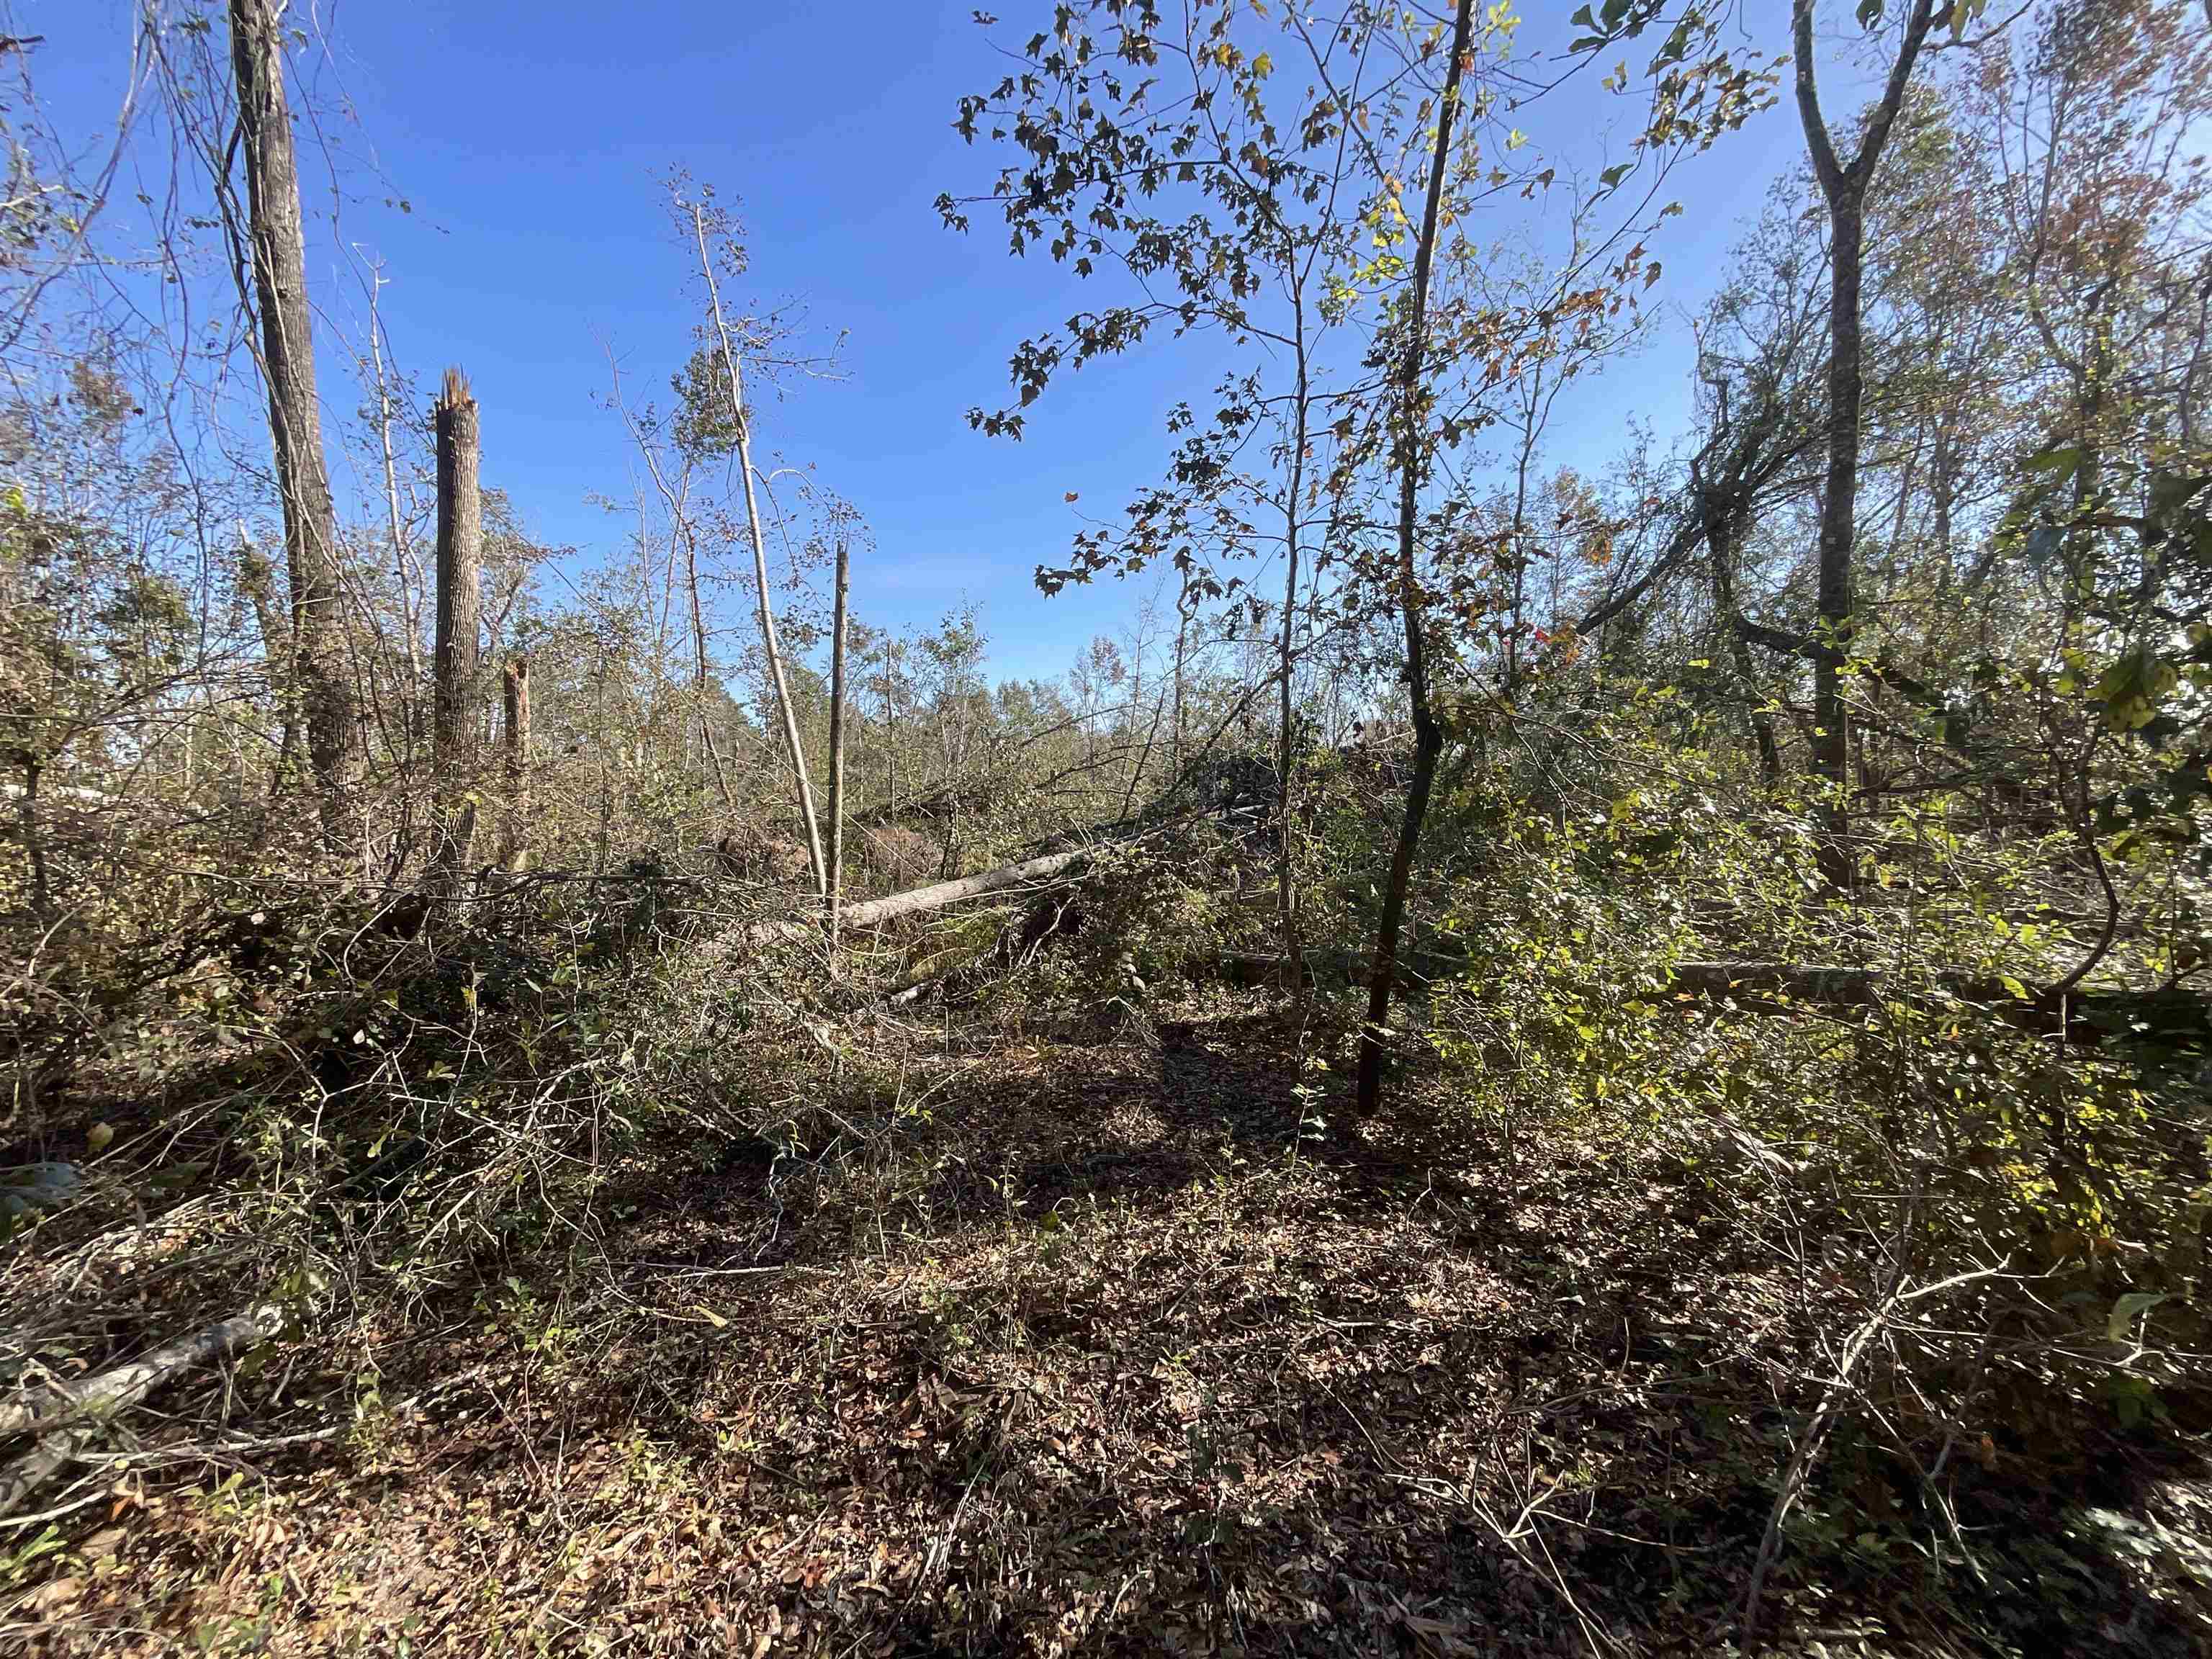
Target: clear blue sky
x=527 y=137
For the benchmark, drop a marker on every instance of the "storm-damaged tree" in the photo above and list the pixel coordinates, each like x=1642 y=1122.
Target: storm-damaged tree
x=456 y=691
x=1266 y=216
x=320 y=664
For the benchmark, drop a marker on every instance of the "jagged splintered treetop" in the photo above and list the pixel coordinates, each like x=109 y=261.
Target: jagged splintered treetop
x=455 y=391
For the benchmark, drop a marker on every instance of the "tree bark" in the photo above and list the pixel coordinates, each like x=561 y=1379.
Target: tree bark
x=112 y=1391
x=1428 y=737
x=876 y=912
x=321 y=667
x=453 y=659
x=1844 y=185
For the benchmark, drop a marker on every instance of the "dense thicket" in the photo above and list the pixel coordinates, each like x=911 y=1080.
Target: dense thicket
x=1797 y=819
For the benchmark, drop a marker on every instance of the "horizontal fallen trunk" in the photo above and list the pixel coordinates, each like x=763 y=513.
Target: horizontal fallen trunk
x=2078 y=1016
x=2085 y=1018
x=126 y=1385
x=60 y=1420
x=1030 y=871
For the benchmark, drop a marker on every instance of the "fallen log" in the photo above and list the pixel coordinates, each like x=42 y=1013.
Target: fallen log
x=1029 y=872
x=2169 y=1016
x=61 y=1420
x=2174 y=1016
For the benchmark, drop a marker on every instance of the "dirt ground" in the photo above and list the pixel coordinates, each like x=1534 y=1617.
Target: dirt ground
x=1101 y=1350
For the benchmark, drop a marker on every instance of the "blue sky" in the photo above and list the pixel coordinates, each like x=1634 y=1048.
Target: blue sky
x=527 y=138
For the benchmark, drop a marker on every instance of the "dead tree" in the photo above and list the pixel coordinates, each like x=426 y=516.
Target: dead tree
x=320 y=666
x=453 y=660
x=514 y=732
x=1028 y=873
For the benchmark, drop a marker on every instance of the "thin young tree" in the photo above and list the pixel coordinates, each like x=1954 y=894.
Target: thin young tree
x=731 y=361
x=837 y=740
x=515 y=737
x=1409 y=448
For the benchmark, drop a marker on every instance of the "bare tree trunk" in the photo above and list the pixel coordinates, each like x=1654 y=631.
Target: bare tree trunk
x=1944 y=463
x=1428 y=737
x=890 y=723
x=453 y=662
x=321 y=668
x=514 y=851
x=837 y=743
x=604 y=843
x=1181 y=658
x=259 y=582
x=1844 y=187
x=791 y=744
x=937 y=896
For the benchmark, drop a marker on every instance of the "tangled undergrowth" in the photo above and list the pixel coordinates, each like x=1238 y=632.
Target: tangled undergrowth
x=648 y=1286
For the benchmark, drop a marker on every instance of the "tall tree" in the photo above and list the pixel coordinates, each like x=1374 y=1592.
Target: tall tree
x=1844 y=185
x=320 y=666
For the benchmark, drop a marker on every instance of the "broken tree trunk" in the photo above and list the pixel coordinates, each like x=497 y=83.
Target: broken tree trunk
x=2082 y=1018
x=320 y=668
x=60 y=1423
x=1030 y=872
x=453 y=661
x=2079 y=1017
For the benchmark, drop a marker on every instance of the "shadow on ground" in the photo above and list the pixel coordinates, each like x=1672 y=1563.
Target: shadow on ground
x=1090 y=1351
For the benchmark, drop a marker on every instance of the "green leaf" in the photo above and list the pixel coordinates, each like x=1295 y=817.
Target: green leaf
x=2129 y=1309
x=2132 y=687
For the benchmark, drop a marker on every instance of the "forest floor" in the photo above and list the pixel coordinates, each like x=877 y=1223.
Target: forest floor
x=1093 y=1353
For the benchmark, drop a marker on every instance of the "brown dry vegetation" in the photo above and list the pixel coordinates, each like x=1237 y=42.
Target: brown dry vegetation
x=1084 y=1346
